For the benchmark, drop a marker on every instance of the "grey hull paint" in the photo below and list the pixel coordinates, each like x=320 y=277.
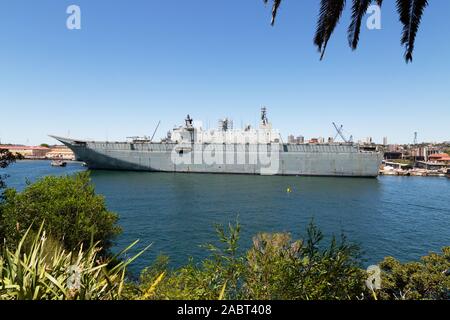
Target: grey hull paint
x=301 y=160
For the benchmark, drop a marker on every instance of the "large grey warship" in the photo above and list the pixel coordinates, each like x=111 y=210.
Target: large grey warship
x=258 y=151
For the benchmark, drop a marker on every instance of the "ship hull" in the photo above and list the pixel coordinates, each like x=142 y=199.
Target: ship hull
x=291 y=160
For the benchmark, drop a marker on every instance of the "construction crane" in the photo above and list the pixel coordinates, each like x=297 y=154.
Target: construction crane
x=155 y=131
x=340 y=132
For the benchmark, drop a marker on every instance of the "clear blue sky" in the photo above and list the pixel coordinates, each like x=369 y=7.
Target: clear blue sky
x=137 y=62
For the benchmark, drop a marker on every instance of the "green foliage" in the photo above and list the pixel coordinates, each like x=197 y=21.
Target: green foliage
x=203 y=281
x=274 y=268
x=6 y=158
x=279 y=268
x=68 y=205
x=40 y=272
x=427 y=279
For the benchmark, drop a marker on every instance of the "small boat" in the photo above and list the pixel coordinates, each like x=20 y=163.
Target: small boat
x=58 y=163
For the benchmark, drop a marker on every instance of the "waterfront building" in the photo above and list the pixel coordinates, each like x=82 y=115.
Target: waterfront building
x=26 y=151
x=441 y=158
x=60 y=153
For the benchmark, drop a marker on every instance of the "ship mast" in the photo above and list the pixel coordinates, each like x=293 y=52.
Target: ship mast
x=264 y=119
x=265 y=124
x=190 y=127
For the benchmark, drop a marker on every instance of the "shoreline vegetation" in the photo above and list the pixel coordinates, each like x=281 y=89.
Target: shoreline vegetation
x=57 y=232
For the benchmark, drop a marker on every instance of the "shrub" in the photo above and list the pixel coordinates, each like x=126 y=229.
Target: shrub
x=274 y=268
x=6 y=158
x=68 y=205
x=427 y=279
x=197 y=281
x=279 y=268
x=45 y=271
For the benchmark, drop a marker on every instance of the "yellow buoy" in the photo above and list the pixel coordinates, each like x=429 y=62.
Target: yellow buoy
x=289 y=190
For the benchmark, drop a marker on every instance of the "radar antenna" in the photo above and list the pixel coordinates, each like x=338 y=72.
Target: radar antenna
x=264 y=119
x=189 y=121
x=340 y=132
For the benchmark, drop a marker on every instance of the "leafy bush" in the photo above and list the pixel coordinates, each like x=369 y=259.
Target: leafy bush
x=279 y=268
x=68 y=205
x=427 y=279
x=6 y=158
x=203 y=281
x=40 y=272
x=274 y=268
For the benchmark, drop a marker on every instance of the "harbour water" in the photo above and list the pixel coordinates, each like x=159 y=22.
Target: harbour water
x=405 y=217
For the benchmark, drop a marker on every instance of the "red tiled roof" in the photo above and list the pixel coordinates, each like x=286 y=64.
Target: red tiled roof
x=440 y=156
x=23 y=148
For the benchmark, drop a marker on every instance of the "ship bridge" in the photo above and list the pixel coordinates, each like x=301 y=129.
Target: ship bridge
x=225 y=134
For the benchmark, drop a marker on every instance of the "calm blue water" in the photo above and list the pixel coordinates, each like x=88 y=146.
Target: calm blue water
x=405 y=217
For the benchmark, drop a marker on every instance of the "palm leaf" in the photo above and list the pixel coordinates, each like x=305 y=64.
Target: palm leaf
x=222 y=292
x=329 y=16
x=417 y=9
x=150 y=292
x=359 y=9
x=276 y=5
x=410 y=12
x=404 y=11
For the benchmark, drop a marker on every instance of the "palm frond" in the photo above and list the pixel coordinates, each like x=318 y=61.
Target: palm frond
x=329 y=16
x=417 y=9
x=276 y=5
x=410 y=15
x=404 y=11
x=359 y=9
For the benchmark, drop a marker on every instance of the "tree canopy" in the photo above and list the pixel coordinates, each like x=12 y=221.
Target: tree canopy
x=6 y=158
x=68 y=205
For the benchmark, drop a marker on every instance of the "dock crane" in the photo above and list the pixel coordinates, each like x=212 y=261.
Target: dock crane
x=340 y=132
x=159 y=123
